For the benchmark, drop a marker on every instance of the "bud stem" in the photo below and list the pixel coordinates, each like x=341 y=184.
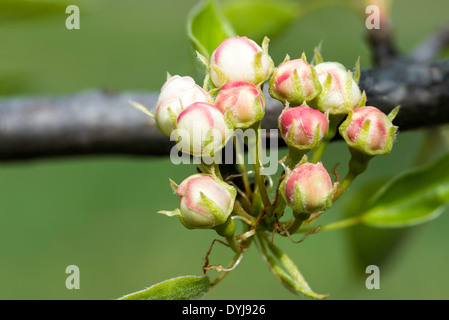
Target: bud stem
x=217 y=171
x=232 y=241
x=241 y=163
x=260 y=181
x=336 y=225
x=357 y=165
x=239 y=211
x=295 y=156
x=334 y=121
x=299 y=219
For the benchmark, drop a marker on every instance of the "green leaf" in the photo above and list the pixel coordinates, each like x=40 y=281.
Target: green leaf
x=259 y=18
x=370 y=245
x=25 y=9
x=287 y=272
x=207 y=27
x=412 y=198
x=182 y=288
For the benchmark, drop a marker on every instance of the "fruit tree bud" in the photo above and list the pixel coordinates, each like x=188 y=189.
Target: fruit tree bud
x=206 y=201
x=242 y=102
x=240 y=58
x=340 y=93
x=294 y=81
x=308 y=188
x=369 y=130
x=201 y=130
x=302 y=127
x=176 y=94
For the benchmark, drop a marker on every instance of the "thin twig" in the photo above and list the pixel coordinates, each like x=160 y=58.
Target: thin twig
x=431 y=47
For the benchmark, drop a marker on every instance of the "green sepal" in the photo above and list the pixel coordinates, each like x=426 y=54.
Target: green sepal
x=316 y=83
x=362 y=100
x=173 y=185
x=317 y=58
x=143 y=109
x=393 y=113
x=265 y=44
x=202 y=59
x=259 y=76
x=271 y=87
x=317 y=103
x=357 y=71
x=298 y=92
x=214 y=209
x=347 y=96
x=221 y=76
x=173 y=118
x=175 y=212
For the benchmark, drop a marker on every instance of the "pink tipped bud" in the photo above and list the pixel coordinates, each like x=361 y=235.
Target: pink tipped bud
x=201 y=130
x=177 y=93
x=205 y=201
x=308 y=188
x=240 y=58
x=369 y=130
x=340 y=92
x=302 y=127
x=294 y=81
x=242 y=101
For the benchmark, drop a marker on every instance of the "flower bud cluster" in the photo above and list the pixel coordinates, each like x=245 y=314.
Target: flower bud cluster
x=321 y=99
x=202 y=122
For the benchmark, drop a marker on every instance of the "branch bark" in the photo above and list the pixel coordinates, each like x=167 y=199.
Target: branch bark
x=105 y=123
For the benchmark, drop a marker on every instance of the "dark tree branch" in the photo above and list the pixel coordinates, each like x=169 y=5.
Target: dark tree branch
x=431 y=47
x=96 y=122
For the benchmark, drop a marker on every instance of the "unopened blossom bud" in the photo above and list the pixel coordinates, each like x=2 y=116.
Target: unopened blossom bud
x=302 y=127
x=240 y=58
x=340 y=93
x=176 y=94
x=369 y=130
x=241 y=102
x=308 y=188
x=201 y=130
x=206 y=201
x=294 y=81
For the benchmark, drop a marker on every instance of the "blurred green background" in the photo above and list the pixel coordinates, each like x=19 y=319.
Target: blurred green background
x=99 y=213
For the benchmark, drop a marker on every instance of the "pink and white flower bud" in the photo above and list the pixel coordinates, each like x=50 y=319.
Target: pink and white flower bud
x=340 y=93
x=302 y=127
x=176 y=94
x=206 y=201
x=242 y=103
x=369 y=130
x=294 y=81
x=240 y=58
x=201 y=130
x=308 y=188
